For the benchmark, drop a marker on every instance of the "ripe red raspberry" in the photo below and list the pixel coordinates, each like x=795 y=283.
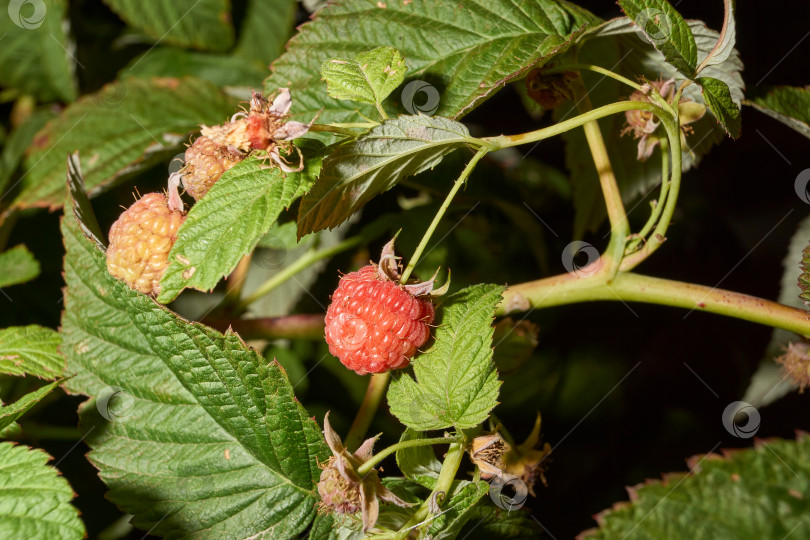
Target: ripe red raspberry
x=206 y=161
x=374 y=324
x=140 y=241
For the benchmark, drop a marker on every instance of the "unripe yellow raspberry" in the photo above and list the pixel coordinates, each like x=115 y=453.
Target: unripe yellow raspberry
x=140 y=241
x=206 y=161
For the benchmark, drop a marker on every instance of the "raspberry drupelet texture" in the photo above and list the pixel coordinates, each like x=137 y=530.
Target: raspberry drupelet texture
x=374 y=325
x=140 y=241
x=206 y=161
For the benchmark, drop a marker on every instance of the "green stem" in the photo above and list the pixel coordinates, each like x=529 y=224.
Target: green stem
x=303 y=262
x=381 y=111
x=619 y=225
x=596 y=69
x=452 y=461
x=627 y=286
x=378 y=457
x=659 y=204
x=506 y=141
x=659 y=234
x=365 y=414
x=433 y=224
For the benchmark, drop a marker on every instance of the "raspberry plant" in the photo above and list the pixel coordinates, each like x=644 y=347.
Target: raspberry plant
x=267 y=354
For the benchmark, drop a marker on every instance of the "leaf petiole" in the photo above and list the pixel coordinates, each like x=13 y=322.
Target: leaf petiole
x=433 y=224
x=595 y=69
x=506 y=141
x=379 y=456
x=659 y=204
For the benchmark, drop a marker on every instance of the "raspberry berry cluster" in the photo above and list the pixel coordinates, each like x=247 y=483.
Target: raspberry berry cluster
x=143 y=236
x=264 y=130
x=375 y=324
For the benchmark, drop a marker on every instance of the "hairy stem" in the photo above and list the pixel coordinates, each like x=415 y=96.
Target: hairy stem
x=379 y=456
x=626 y=286
x=365 y=414
x=437 y=218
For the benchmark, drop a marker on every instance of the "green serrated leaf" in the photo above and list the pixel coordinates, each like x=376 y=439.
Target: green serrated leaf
x=18 y=141
x=788 y=104
x=718 y=98
x=34 y=498
x=201 y=24
x=748 y=494
x=35 y=55
x=467 y=52
x=266 y=27
x=615 y=43
x=230 y=220
x=129 y=125
x=375 y=162
x=489 y=522
x=211 y=442
x=456 y=381
x=11 y=413
x=666 y=30
x=31 y=350
x=367 y=78
x=418 y=463
x=219 y=69
x=17 y=265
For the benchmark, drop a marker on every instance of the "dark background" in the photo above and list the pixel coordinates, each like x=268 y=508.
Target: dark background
x=661 y=413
